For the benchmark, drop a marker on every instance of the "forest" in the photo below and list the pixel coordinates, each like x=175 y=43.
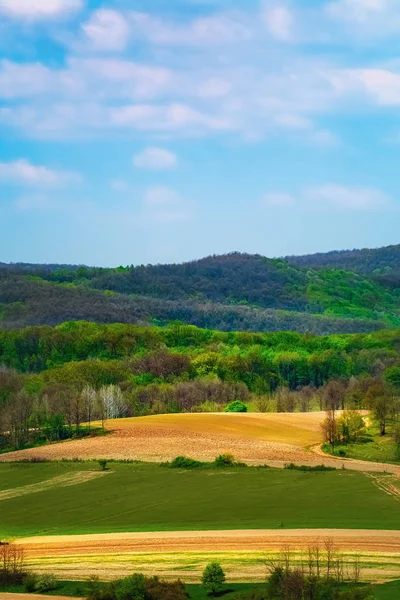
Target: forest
x=53 y=379
x=360 y=292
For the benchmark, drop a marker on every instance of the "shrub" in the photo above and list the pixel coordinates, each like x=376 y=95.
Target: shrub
x=236 y=407
x=131 y=588
x=213 y=578
x=103 y=464
x=163 y=590
x=30 y=583
x=306 y=468
x=224 y=460
x=46 y=583
x=183 y=462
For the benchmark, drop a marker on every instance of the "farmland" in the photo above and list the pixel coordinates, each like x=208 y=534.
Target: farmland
x=251 y=437
x=201 y=499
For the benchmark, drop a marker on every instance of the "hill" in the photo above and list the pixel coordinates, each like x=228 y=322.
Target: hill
x=230 y=292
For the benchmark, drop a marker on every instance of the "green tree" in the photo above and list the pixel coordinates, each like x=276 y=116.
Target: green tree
x=131 y=588
x=213 y=578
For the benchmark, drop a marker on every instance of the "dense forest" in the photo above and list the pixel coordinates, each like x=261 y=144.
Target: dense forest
x=53 y=379
x=378 y=261
x=234 y=292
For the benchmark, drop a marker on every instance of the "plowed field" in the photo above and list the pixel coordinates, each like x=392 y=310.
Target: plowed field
x=252 y=437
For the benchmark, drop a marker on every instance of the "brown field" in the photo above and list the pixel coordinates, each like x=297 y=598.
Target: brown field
x=184 y=554
x=252 y=437
x=255 y=438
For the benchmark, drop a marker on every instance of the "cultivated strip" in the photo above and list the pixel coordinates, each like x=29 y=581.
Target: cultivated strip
x=66 y=480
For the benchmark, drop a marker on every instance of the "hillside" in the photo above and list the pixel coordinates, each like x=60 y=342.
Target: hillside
x=230 y=292
x=379 y=260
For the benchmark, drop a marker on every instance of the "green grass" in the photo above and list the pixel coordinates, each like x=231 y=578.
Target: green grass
x=373 y=447
x=145 y=497
x=387 y=591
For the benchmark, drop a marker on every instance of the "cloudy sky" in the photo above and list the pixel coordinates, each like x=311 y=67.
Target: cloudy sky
x=137 y=131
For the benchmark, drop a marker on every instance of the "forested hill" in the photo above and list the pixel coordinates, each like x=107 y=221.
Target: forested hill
x=231 y=292
x=379 y=261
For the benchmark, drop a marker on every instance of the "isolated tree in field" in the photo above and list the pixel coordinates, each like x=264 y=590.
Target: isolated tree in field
x=213 y=578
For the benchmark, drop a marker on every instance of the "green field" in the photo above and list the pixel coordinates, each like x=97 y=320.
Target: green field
x=145 y=497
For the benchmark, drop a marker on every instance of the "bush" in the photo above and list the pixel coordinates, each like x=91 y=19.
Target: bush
x=30 y=583
x=224 y=460
x=103 y=464
x=46 y=583
x=183 y=462
x=307 y=468
x=131 y=588
x=213 y=578
x=236 y=407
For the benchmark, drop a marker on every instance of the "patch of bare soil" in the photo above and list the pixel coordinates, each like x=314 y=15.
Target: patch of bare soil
x=66 y=480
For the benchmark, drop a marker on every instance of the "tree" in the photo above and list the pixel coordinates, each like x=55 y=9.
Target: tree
x=380 y=399
x=131 y=588
x=350 y=426
x=329 y=428
x=213 y=578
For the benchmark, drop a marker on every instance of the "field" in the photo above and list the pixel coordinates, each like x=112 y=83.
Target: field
x=145 y=497
x=253 y=437
x=155 y=519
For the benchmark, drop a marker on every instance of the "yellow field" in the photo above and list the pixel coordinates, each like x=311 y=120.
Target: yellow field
x=184 y=554
x=251 y=437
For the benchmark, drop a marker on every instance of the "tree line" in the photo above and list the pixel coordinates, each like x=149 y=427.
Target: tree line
x=54 y=379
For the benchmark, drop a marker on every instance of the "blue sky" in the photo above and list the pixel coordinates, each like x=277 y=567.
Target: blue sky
x=145 y=131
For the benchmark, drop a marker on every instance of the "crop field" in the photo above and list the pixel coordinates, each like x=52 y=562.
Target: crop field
x=145 y=497
x=251 y=437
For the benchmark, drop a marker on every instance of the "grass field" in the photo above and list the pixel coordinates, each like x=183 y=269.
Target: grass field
x=145 y=497
x=252 y=437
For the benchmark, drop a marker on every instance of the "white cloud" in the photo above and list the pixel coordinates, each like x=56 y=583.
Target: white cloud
x=279 y=21
x=156 y=159
x=382 y=86
x=164 y=204
x=356 y=10
x=365 y=19
x=330 y=197
x=25 y=173
x=216 y=30
x=39 y=9
x=352 y=198
x=106 y=30
x=161 y=195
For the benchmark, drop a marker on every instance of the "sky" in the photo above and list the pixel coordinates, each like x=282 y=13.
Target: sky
x=154 y=131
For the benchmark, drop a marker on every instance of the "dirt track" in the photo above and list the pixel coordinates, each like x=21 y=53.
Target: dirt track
x=216 y=541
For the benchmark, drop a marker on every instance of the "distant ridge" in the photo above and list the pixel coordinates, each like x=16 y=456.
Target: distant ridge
x=343 y=291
